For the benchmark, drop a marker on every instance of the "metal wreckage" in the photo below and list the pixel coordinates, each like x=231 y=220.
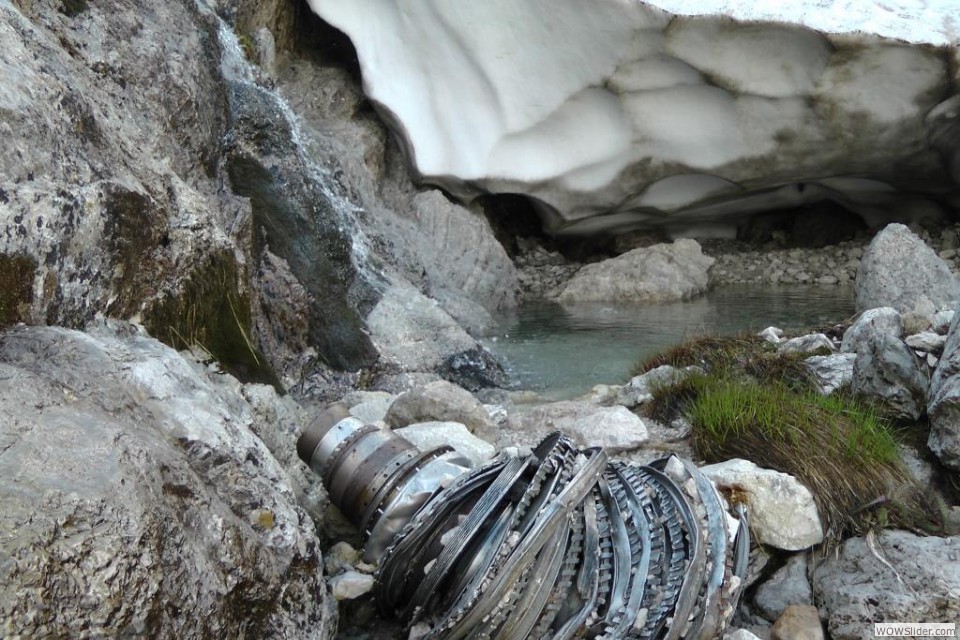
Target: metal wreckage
x=562 y=543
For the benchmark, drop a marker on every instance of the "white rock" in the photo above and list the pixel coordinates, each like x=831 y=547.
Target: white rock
x=741 y=634
x=898 y=270
x=942 y=319
x=340 y=557
x=427 y=435
x=640 y=388
x=615 y=428
x=782 y=511
x=831 y=372
x=806 y=344
x=926 y=341
x=369 y=406
x=350 y=585
x=660 y=273
x=773 y=335
x=878 y=320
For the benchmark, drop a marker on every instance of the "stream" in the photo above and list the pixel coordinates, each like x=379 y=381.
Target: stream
x=562 y=351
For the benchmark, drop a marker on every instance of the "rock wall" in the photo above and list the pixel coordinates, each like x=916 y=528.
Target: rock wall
x=138 y=500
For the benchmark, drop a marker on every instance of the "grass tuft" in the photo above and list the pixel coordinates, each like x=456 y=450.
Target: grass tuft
x=843 y=450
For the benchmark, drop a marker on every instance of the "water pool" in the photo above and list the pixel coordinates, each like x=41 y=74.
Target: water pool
x=564 y=350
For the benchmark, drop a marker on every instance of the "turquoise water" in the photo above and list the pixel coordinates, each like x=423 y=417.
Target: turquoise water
x=563 y=351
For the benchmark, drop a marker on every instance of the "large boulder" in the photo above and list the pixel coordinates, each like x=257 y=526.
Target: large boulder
x=660 y=273
x=414 y=333
x=899 y=270
x=139 y=501
x=887 y=370
x=689 y=123
x=944 y=401
x=894 y=577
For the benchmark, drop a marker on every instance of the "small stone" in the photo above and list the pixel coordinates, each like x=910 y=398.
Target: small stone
x=350 y=585
x=773 y=335
x=926 y=341
x=340 y=557
x=799 y=622
x=807 y=344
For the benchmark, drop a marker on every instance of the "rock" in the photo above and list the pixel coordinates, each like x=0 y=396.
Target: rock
x=640 y=388
x=439 y=401
x=898 y=269
x=428 y=435
x=341 y=557
x=886 y=370
x=782 y=511
x=659 y=273
x=615 y=428
x=773 y=335
x=944 y=405
x=798 y=622
x=788 y=586
x=605 y=395
x=895 y=576
x=413 y=332
x=831 y=372
x=350 y=585
x=885 y=320
x=942 y=319
x=480 y=270
x=741 y=634
x=809 y=343
x=369 y=406
x=656 y=129
x=136 y=489
x=926 y=341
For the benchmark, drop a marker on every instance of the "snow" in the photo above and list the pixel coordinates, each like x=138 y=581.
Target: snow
x=625 y=108
x=930 y=21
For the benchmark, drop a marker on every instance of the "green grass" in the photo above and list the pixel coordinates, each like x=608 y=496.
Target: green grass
x=840 y=448
x=754 y=403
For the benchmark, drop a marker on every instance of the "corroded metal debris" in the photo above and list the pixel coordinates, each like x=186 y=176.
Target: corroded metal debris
x=560 y=544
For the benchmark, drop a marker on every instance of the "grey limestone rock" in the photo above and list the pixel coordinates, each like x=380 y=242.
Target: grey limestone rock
x=789 y=585
x=887 y=370
x=879 y=320
x=899 y=269
x=831 y=372
x=660 y=273
x=614 y=428
x=428 y=435
x=439 y=401
x=807 y=344
x=895 y=576
x=944 y=405
x=139 y=501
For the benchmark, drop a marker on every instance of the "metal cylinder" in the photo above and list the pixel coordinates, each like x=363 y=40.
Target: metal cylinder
x=562 y=543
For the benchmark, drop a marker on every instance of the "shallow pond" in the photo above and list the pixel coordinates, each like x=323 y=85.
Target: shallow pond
x=563 y=351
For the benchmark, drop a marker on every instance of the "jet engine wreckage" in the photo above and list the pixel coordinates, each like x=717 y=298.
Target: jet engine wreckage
x=562 y=543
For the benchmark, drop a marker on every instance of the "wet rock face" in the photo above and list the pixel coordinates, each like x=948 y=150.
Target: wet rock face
x=138 y=501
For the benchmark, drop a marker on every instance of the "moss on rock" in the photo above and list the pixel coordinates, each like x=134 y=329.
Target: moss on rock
x=211 y=312
x=17 y=272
